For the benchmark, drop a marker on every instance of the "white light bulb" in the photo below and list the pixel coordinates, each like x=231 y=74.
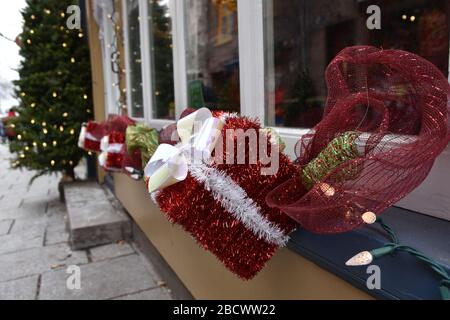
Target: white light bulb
x=361 y=259
x=327 y=189
x=369 y=217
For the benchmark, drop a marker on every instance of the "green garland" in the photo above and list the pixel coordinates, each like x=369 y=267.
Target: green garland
x=341 y=149
x=142 y=137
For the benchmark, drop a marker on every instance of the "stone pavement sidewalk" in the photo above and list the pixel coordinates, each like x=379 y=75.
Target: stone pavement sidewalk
x=35 y=256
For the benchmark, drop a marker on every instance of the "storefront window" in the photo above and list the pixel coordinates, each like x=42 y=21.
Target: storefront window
x=161 y=59
x=212 y=58
x=134 y=59
x=303 y=36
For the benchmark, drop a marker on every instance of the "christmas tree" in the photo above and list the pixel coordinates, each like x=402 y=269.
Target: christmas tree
x=53 y=90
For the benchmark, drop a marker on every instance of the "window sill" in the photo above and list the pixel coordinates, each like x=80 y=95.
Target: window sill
x=402 y=276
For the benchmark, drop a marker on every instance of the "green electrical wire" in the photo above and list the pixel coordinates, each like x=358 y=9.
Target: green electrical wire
x=395 y=245
x=389 y=230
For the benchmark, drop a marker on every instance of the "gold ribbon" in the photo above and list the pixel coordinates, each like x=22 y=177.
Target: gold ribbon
x=143 y=138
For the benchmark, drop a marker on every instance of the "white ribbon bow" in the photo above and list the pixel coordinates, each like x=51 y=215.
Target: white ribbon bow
x=198 y=132
x=85 y=135
x=82 y=136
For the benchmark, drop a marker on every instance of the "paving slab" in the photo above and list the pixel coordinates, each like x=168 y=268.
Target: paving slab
x=28 y=211
x=19 y=289
x=93 y=213
x=99 y=280
x=21 y=241
x=40 y=184
x=55 y=205
x=38 y=205
x=29 y=224
x=5 y=226
x=82 y=191
x=92 y=220
x=34 y=199
x=152 y=294
x=15 y=213
x=96 y=230
x=38 y=260
x=10 y=202
x=56 y=234
x=110 y=251
x=57 y=217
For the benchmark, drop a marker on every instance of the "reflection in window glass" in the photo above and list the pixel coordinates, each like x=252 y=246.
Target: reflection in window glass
x=134 y=56
x=162 y=60
x=302 y=37
x=212 y=58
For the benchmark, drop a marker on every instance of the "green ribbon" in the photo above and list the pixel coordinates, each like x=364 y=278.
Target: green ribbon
x=341 y=149
x=144 y=138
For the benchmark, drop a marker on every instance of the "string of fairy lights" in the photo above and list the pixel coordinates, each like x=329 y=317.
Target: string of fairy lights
x=115 y=58
x=393 y=246
x=46 y=127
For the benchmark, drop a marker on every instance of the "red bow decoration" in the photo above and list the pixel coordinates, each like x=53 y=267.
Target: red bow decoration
x=90 y=136
x=115 y=156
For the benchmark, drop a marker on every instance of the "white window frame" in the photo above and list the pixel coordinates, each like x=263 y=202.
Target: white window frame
x=179 y=55
x=147 y=65
x=430 y=198
x=126 y=42
x=111 y=79
x=252 y=68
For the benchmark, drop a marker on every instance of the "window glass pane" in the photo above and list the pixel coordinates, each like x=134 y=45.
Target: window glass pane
x=134 y=55
x=161 y=59
x=303 y=36
x=212 y=57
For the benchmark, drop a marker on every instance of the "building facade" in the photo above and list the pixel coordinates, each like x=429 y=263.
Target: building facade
x=261 y=58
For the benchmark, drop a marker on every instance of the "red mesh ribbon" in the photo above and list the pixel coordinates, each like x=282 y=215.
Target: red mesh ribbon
x=116 y=123
x=190 y=204
x=400 y=102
